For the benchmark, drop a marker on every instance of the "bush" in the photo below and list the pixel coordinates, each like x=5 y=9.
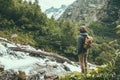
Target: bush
x=109 y=71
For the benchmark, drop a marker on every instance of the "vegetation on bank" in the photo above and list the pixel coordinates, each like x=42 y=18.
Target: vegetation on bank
x=108 y=71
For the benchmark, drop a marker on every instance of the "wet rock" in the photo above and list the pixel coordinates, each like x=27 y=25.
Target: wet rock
x=35 y=77
x=8 y=75
x=55 y=66
x=66 y=68
x=1 y=68
x=50 y=76
x=38 y=76
x=51 y=58
x=42 y=72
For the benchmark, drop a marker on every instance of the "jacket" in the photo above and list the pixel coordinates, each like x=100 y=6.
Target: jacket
x=81 y=40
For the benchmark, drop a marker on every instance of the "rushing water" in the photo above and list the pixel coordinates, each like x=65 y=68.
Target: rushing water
x=21 y=61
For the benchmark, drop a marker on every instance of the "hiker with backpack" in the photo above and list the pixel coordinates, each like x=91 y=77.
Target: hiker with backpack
x=84 y=43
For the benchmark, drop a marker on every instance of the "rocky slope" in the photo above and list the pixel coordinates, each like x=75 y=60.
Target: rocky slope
x=83 y=10
x=55 y=12
x=110 y=13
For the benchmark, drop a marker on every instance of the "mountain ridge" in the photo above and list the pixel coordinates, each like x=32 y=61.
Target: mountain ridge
x=83 y=10
x=55 y=12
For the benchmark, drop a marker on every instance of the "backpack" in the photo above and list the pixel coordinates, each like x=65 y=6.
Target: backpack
x=88 y=42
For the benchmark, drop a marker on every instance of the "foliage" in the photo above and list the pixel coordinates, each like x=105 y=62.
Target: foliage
x=101 y=53
x=109 y=71
x=106 y=42
x=22 y=38
x=110 y=13
x=102 y=33
x=33 y=27
x=69 y=37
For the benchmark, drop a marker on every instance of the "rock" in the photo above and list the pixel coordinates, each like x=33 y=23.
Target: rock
x=66 y=68
x=14 y=35
x=42 y=72
x=8 y=75
x=38 y=76
x=34 y=77
x=1 y=68
x=83 y=10
x=55 y=66
x=50 y=76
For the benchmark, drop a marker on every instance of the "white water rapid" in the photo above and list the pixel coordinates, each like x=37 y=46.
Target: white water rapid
x=21 y=61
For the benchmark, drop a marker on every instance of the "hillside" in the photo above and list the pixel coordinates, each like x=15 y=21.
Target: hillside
x=23 y=22
x=102 y=19
x=110 y=13
x=55 y=12
x=83 y=10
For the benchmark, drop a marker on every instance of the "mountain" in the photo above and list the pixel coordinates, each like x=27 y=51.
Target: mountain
x=110 y=13
x=102 y=17
x=55 y=12
x=83 y=10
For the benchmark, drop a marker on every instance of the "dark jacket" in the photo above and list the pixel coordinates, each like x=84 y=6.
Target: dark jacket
x=81 y=40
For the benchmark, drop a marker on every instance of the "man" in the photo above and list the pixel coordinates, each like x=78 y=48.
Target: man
x=82 y=52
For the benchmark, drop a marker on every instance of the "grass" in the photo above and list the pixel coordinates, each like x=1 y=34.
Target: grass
x=20 y=38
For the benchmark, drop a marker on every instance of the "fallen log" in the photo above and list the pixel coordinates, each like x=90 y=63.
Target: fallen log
x=41 y=53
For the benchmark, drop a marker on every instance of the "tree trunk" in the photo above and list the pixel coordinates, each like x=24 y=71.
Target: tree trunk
x=41 y=53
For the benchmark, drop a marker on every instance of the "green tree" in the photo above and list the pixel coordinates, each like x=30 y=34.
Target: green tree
x=68 y=37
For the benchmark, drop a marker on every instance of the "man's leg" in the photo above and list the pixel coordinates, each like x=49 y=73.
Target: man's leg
x=85 y=62
x=81 y=61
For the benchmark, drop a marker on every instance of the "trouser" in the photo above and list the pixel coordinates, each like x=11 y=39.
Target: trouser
x=83 y=61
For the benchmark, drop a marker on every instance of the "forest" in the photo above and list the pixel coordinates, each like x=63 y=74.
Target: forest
x=31 y=25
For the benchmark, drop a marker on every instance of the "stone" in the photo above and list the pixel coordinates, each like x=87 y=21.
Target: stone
x=50 y=76
x=1 y=68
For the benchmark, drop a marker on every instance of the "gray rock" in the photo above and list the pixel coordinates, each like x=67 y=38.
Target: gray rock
x=50 y=76
x=1 y=68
